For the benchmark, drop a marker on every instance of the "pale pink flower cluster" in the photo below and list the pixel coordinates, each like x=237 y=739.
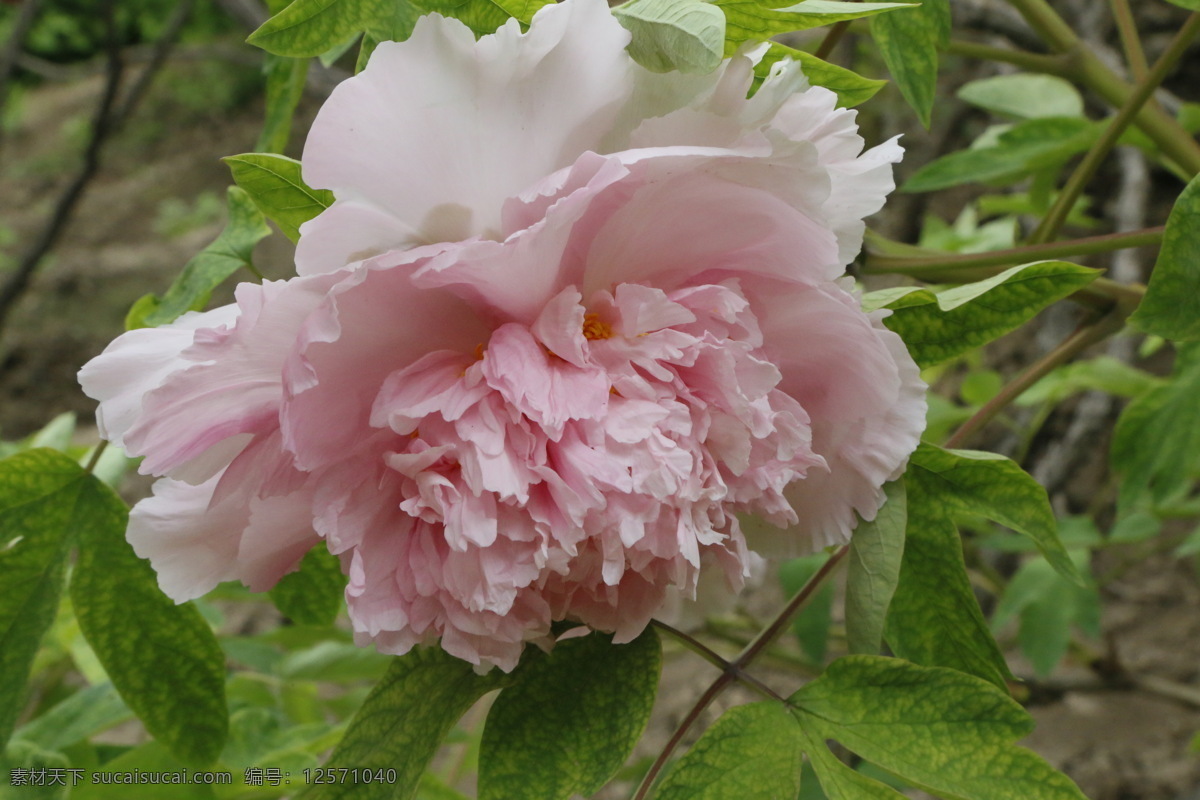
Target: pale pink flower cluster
x=565 y=322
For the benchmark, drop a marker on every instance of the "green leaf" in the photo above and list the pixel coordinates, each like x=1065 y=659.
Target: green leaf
x=313 y=595
x=939 y=326
x=285 y=85
x=1171 y=307
x=1025 y=148
x=571 y=719
x=909 y=42
x=811 y=625
x=974 y=482
x=308 y=28
x=934 y=618
x=850 y=87
x=752 y=752
x=945 y=732
x=481 y=16
x=683 y=35
x=55 y=434
x=150 y=757
x=228 y=253
x=838 y=780
x=39 y=500
x=275 y=186
x=162 y=657
x=754 y=21
x=1048 y=606
x=403 y=721
x=1025 y=96
x=334 y=661
x=1156 y=443
x=395 y=28
x=1191 y=5
x=86 y=712
x=1102 y=373
x=876 y=552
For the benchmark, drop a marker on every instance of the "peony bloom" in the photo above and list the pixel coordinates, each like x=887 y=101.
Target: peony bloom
x=565 y=322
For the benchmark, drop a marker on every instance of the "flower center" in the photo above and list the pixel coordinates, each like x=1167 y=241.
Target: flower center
x=595 y=328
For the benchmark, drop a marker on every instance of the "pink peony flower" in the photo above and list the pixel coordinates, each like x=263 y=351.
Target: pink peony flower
x=565 y=322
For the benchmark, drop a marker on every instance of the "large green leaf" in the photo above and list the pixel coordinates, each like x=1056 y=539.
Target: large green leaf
x=934 y=618
x=285 y=85
x=162 y=657
x=937 y=326
x=481 y=16
x=1025 y=96
x=755 y=21
x=1156 y=444
x=909 y=42
x=275 y=186
x=990 y=485
x=752 y=752
x=39 y=510
x=1035 y=145
x=683 y=35
x=850 y=87
x=396 y=27
x=228 y=253
x=308 y=28
x=313 y=595
x=1171 y=307
x=943 y=731
x=403 y=721
x=876 y=552
x=570 y=720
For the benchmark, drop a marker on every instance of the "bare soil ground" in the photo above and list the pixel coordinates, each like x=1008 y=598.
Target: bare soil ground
x=132 y=233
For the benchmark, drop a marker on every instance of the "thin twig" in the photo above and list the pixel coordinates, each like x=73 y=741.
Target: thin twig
x=832 y=38
x=109 y=117
x=713 y=657
x=101 y=128
x=705 y=700
x=939 y=266
x=1119 y=123
x=1076 y=343
x=12 y=48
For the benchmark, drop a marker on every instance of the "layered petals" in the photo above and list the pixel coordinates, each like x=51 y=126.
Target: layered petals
x=572 y=336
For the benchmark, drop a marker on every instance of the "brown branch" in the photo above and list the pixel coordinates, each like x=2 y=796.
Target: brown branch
x=12 y=47
x=108 y=118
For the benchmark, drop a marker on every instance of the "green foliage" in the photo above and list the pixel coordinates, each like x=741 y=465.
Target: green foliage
x=752 y=752
x=1156 y=444
x=1035 y=145
x=570 y=720
x=1048 y=606
x=79 y=716
x=1025 y=96
x=934 y=618
x=937 y=729
x=671 y=35
x=403 y=721
x=811 y=624
x=1102 y=373
x=973 y=482
x=876 y=552
x=40 y=491
x=285 y=85
x=850 y=87
x=308 y=28
x=750 y=20
x=313 y=595
x=1171 y=308
x=909 y=43
x=228 y=253
x=939 y=326
x=278 y=191
x=481 y=16
x=163 y=659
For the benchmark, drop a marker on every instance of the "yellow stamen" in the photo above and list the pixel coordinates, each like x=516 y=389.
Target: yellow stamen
x=595 y=328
